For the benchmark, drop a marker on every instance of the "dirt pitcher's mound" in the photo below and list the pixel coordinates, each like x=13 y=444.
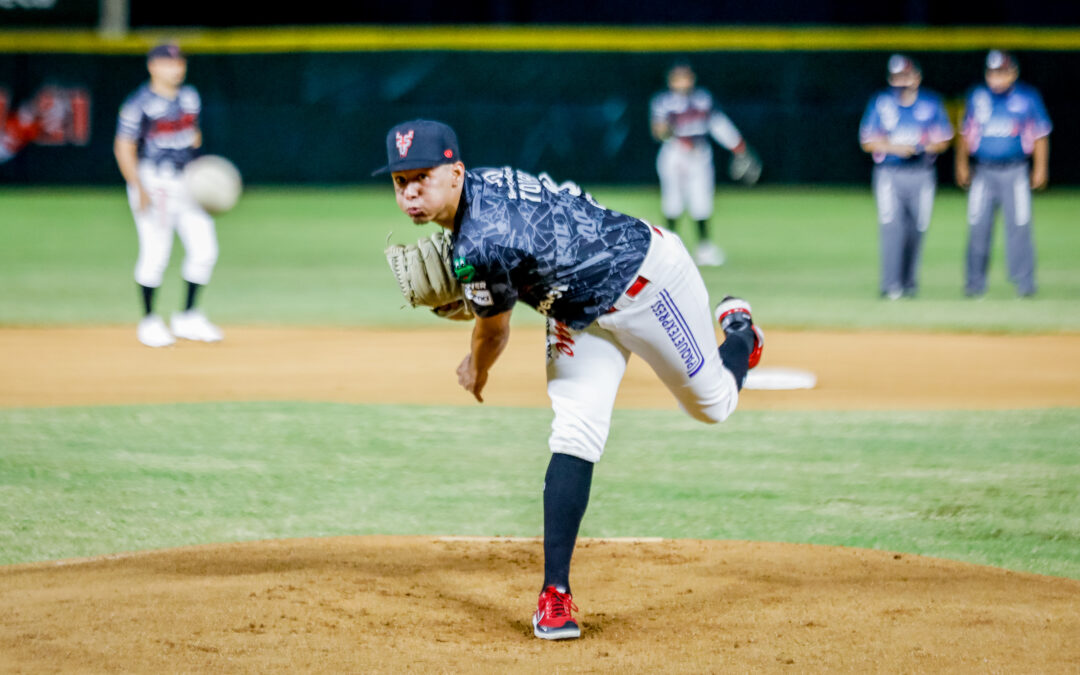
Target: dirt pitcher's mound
x=390 y=604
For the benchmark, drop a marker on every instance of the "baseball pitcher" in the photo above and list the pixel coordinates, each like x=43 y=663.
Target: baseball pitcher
x=683 y=118
x=904 y=128
x=156 y=136
x=1006 y=131
x=610 y=285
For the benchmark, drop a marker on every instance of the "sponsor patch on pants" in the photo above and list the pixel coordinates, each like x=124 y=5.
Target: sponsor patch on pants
x=673 y=323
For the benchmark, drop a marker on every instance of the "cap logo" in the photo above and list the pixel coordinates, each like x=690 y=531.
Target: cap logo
x=448 y=153
x=404 y=142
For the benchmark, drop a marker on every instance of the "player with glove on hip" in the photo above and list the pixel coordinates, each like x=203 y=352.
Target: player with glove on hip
x=610 y=285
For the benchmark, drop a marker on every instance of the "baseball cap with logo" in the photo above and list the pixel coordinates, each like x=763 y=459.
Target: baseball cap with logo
x=901 y=65
x=165 y=50
x=419 y=144
x=997 y=59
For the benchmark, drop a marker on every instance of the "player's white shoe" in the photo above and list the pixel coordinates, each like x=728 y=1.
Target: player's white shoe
x=193 y=325
x=709 y=254
x=153 y=333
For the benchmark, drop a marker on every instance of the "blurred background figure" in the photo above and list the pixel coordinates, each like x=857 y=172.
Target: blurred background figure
x=156 y=136
x=904 y=129
x=683 y=117
x=1006 y=130
x=18 y=128
x=53 y=116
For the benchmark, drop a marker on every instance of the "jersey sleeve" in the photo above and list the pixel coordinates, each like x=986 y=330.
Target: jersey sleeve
x=724 y=131
x=941 y=129
x=129 y=122
x=485 y=276
x=1040 y=119
x=657 y=109
x=870 y=125
x=969 y=127
x=491 y=291
x=190 y=101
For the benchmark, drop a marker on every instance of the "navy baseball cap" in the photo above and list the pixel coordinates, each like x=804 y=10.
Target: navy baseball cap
x=901 y=65
x=419 y=144
x=165 y=50
x=997 y=59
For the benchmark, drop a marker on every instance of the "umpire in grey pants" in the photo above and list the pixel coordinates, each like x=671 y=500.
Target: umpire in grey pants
x=904 y=129
x=1006 y=134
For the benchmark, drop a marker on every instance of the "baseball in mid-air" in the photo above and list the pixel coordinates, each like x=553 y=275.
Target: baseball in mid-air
x=213 y=182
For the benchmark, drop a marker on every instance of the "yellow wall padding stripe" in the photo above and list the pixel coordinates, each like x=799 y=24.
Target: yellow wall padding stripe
x=547 y=38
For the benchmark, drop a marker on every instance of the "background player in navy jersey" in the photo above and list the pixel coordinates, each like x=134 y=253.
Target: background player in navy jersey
x=682 y=119
x=156 y=136
x=1006 y=131
x=904 y=128
x=610 y=285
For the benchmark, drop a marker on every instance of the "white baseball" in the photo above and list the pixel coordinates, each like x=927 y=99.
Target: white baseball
x=213 y=182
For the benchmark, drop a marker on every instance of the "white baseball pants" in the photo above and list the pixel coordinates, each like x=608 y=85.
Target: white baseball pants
x=668 y=323
x=687 y=179
x=171 y=208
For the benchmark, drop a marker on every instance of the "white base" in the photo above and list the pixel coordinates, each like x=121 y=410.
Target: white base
x=779 y=379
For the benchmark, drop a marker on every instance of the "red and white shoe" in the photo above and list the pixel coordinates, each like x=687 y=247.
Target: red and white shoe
x=553 y=619
x=734 y=314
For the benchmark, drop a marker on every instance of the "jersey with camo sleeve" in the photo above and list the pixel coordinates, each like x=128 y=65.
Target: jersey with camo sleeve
x=1004 y=127
x=165 y=130
x=923 y=122
x=525 y=237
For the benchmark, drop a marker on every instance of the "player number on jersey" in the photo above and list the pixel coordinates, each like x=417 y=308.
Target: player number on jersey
x=527 y=187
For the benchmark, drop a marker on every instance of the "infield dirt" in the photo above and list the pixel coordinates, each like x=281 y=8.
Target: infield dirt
x=392 y=604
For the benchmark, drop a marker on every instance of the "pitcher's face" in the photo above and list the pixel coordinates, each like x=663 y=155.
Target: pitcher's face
x=430 y=194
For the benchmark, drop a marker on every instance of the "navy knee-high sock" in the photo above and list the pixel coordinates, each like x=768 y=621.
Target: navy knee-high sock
x=566 y=494
x=735 y=352
x=703 y=229
x=192 y=293
x=147 y=298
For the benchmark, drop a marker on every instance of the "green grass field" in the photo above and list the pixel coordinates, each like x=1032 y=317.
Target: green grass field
x=805 y=258
x=996 y=488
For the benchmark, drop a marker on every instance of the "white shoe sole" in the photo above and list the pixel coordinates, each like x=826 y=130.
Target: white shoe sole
x=156 y=345
x=198 y=339
x=560 y=634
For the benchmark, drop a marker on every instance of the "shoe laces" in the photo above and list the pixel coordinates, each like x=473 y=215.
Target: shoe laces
x=559 y=605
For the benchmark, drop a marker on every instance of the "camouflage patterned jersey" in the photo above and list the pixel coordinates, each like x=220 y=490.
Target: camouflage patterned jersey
x=524 y=237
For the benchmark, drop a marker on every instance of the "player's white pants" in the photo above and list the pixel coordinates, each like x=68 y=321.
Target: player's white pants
x=669 y=324
x=171 y=209
x=687 y=179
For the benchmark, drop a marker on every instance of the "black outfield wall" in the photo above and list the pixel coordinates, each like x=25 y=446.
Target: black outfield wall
x=321 y=117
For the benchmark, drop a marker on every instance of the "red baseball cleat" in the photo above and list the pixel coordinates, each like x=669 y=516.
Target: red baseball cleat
x=734 y=314
x=552 y=620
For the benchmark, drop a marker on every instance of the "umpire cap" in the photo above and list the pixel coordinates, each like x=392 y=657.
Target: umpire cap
x=998 y=59
x=419 y=144
x=902 y=65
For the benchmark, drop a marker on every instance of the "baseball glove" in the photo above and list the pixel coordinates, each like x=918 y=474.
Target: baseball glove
x=745 y=167
x=425 y=277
